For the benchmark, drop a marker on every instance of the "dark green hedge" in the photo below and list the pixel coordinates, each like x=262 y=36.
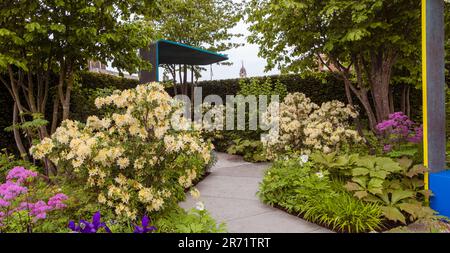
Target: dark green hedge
x=318 y=89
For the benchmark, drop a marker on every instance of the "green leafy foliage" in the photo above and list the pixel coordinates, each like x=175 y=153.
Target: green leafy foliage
x=300 y=189
x=397 y=185
x=178 y=220
x=8 y=161
x=251 y=150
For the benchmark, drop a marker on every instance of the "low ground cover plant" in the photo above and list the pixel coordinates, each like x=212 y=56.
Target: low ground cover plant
x=300 y=188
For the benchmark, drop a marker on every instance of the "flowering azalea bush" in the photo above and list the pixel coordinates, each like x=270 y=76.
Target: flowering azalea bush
x=22 y=200
x=305 y=127
x=132 y=158
x=398 y=129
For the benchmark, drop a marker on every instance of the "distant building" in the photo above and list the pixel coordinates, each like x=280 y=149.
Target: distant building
x=243 y=72
x=98 y=67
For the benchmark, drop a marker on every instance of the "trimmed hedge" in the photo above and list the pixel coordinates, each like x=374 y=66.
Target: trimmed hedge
x=318 y=89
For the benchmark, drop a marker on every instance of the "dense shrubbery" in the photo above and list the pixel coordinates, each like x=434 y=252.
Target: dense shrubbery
x=304 y=127
x=103 y=153
x=397 y=186
x=300 y=188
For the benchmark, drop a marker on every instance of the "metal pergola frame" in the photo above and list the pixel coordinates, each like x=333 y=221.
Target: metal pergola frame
x=170 y=52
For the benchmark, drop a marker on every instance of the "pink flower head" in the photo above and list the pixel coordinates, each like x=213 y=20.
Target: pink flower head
x=4 y=203
x=39 y=209
x=20 y=174
x=11 y=190
x=56 y=202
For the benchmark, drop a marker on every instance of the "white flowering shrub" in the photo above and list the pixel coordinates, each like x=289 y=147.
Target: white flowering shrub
x=132 y=158
x=304 y=127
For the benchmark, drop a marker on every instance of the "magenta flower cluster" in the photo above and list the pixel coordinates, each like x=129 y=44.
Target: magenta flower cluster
x=15 y=196
x=397 y=129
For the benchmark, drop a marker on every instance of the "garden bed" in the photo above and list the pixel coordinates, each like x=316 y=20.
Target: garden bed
x=385 y=226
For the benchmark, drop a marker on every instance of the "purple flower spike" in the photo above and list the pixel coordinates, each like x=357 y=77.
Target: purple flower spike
x=145 y=228
x=89 y=228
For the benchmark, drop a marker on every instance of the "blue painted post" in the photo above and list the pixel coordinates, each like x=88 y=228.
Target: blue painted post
x=433 y=56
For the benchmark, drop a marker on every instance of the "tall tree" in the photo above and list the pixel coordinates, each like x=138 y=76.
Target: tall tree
x=359 y=40
x=199 y=23
x=40 y=39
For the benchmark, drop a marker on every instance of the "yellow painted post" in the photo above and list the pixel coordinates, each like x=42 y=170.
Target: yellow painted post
x=424 y=90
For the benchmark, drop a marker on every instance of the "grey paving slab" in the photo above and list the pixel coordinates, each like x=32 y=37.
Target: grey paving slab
x=272 y=222
x=229 y=194
x=225 y=160
x=226 y=209
x=246 y=170
x=229 y=187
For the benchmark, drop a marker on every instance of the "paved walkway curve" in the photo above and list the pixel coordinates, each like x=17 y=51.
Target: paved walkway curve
x=229 y=194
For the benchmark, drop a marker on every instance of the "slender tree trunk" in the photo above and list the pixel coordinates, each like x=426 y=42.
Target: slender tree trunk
x=403 y=100
x=17 y=138
x=55 y=115
x=391 y=100
x=408 y=103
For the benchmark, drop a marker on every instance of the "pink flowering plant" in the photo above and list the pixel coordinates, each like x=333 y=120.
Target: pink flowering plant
x=22 y=200
x=399 y=130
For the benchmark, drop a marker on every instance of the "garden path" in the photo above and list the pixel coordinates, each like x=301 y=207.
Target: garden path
x=229 y=194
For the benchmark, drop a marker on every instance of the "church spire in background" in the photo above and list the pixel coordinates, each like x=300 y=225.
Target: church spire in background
x=243 y=72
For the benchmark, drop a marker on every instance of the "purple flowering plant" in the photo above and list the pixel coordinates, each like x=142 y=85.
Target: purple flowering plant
x=86 y=227
x=97 y=225
x=397 y=130
x=145 y=226
x=22 y=201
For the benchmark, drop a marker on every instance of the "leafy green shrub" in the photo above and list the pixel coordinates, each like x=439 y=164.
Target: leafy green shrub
x=178 y=220
x=305 y=127
x=251 y=150
x=396 y=185
x=8 y=161
x=297 y=187
x=132 y=159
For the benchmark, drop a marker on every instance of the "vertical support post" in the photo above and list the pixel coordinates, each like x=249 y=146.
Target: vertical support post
x=151 y=55
x=433 y=77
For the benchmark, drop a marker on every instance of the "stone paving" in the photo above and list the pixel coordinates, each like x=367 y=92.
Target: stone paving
x=229 y=194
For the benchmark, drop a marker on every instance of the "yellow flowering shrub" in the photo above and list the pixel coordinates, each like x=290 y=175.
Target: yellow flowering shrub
x=304 y=127
x=132 y=157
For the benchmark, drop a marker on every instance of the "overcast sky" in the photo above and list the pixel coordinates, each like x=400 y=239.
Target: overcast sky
x=247 y=53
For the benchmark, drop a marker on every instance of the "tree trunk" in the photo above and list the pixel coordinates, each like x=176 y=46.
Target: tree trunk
x=403 y=99
x=379 y=79
x=54 y=115
x=17 y=138
x=408 y=103
x=391 y=100
x=64 y=95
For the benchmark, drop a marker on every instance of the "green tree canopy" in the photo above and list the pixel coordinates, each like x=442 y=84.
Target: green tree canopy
x=359 y=40
x=200 y=23
x=46 y=37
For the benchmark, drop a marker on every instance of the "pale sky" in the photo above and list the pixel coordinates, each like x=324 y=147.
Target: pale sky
x=247 y=53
